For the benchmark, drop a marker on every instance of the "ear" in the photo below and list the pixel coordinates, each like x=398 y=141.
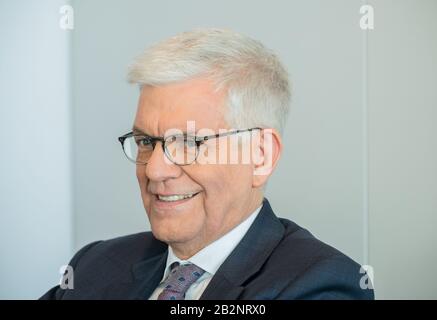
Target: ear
x=265 y=155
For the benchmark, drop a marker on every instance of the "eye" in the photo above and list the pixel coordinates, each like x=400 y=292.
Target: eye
x=143 y=141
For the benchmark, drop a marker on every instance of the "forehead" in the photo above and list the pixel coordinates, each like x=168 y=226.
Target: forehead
x=171 y=106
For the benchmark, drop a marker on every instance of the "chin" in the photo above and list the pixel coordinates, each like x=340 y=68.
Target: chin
x=170 y=238
x=171 y=232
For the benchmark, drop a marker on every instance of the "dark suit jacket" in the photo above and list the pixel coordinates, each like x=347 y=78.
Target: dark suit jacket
x=276 y=259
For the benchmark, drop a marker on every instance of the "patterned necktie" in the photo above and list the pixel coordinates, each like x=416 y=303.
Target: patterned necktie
x=181 y=277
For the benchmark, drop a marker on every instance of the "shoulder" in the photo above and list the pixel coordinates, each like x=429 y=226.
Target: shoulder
x=313 y=269
x=102 y=262
x=299 y=241
x=118 y=253
x=131 y=248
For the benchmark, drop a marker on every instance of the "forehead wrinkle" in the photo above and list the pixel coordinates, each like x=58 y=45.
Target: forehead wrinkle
x=160 y=123
x=165 y=109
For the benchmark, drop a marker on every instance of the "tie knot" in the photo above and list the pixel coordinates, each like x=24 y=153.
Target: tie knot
x=181 y=277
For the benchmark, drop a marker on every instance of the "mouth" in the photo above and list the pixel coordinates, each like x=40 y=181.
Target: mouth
x=172 y=200
x=175 y=197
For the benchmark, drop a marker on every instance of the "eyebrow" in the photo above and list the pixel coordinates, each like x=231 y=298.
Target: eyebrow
x=135 y=129
x=139 y=131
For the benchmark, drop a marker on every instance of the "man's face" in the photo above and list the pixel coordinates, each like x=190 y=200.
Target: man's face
x=224 y=194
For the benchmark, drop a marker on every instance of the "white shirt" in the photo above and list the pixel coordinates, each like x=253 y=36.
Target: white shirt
x=209 y=258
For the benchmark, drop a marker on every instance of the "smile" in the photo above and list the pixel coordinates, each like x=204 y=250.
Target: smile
x=175 y=197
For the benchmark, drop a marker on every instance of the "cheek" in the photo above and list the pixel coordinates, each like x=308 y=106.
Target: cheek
x=237 y=184
x=208 y=177
x=223 y=184
x=235 y=177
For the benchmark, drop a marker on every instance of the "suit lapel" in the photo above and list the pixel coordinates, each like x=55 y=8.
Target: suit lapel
x=247 y=258
x=146 y=277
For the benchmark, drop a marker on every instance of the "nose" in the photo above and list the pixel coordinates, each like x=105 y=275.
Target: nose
x=159 y=168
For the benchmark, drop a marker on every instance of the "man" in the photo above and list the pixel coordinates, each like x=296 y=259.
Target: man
x=214 y=235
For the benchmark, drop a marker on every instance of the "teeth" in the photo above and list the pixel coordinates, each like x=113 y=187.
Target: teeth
x=175 y=197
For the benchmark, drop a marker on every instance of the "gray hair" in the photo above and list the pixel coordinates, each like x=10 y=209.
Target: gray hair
x=258 y=93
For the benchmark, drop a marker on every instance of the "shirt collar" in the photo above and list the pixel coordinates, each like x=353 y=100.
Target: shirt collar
x=213 y=255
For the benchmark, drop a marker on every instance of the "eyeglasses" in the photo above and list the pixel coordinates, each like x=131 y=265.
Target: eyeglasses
x=180 y=149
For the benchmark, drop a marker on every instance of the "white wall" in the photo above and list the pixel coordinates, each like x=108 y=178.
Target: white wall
x=403 y=148
x=35 y=191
